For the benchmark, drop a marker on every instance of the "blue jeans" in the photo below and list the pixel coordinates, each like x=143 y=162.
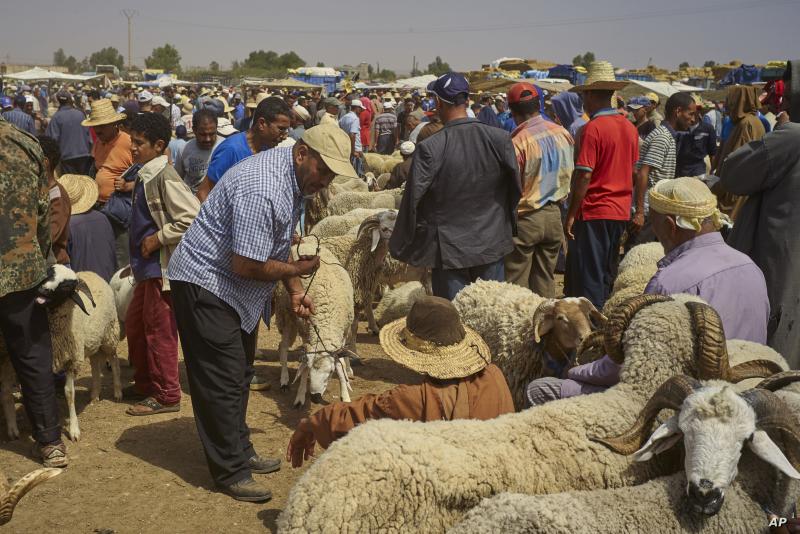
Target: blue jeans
x=448 y=282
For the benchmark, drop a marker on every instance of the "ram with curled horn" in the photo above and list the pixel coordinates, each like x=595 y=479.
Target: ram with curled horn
x=548 y=450
x=10 y=496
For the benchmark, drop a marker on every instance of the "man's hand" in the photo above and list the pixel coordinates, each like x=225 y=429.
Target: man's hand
x=150 y=244
x=302 y=305
x=306 y=265
x=568 y=227
x=638 y=220
x=301 y=444
x=121 y=185
x=358 y=154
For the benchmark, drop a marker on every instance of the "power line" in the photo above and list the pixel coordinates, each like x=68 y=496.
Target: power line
x=489 y=28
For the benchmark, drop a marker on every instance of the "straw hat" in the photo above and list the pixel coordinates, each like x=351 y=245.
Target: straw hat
x=253 y=104
x=600 y=78
x=187 y=108
x=227 y=107
x=103 y=112
x=81 y=190
x=433 y=341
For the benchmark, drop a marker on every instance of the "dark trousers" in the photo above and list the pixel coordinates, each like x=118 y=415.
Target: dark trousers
x=219 y=364
x=532 y=263
x=446 y=283
x=592 y=259
x=82 y=165
x=26 y=332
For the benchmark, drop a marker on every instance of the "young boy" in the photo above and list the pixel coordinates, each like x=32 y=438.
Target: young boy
x=163 y=207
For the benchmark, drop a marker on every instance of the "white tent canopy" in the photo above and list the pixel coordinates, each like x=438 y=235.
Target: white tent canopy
x=38 y=73
x=417 y=82
x=666 y=89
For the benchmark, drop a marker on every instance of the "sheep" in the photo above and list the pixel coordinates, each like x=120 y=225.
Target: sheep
x=425 y=476
x=341 y=184
x=122 y=283
x=10 y=496
x=340 y=224
x=396 y=303
x=325 y=334
x=380 y=164
x=715 y=423
x=341 y=203
x=634 y=272
x=528 y=335
x=76 y=335
x=362 y=255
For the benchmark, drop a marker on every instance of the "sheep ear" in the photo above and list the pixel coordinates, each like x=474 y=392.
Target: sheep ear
x=665 y=436
x=376 y=238
x=543 y=320
x=765 y=448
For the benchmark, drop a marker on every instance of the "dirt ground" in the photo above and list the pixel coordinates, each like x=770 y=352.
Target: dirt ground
x=141 y=475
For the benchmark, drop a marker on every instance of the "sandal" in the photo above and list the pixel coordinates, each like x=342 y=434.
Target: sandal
x=51 y=455
x=153 y=407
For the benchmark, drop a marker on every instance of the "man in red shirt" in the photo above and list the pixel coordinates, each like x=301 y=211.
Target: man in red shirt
x=602 y=190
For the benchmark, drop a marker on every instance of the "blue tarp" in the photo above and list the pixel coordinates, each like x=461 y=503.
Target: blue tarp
x=744 y=75
x=567 y=72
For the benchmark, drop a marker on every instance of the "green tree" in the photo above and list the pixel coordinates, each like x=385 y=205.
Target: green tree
x=213 y=66
x=710 y=63
x=105 y=56
x=438 y=67
x=370 y=70
x=684 y=65
x=59 y=57
x=386 y=75
x=320 y=64
x=164 y=57
x=290 y=60
x=583 y=60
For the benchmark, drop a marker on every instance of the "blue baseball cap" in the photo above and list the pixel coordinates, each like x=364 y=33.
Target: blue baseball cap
x=449 y=86
x=638 y=102
x=5 y=102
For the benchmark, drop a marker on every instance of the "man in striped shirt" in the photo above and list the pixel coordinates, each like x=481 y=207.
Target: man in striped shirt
x=222 y=275
x=545 y=155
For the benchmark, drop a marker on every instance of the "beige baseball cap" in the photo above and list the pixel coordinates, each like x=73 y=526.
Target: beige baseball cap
x=333 y=145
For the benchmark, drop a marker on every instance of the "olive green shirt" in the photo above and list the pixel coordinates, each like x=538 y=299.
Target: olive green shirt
x=24 y=206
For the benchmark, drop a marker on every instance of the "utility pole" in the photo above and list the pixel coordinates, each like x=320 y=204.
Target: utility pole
x=129 y=14
x=414 y=66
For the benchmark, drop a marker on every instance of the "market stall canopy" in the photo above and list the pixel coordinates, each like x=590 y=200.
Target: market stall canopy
x=38 y=73
x=637 y=87
x=417 y=82
x=501 y=85
x=288 y=83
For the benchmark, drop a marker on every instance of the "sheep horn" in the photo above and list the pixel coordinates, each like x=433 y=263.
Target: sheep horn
x=670 y=394
x=368 y=224
x=9 y=499
x=710 y=350
x=753 y=369
x=772 y=413
x=619 y=320
x=591 y=342
x=779 y=380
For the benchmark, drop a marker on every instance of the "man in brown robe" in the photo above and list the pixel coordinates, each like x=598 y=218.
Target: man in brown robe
x=460 y=382
x=59 y=202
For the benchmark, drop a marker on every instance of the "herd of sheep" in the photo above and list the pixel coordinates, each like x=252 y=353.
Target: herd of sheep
x=699 y=433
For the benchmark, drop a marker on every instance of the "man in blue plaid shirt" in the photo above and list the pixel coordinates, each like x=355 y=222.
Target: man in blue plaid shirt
x=222 y=275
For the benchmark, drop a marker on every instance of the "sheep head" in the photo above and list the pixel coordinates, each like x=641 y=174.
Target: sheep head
x=380 y=227
x=710 y=349
x=9 y=497
x=715 y=423
x=566 y=321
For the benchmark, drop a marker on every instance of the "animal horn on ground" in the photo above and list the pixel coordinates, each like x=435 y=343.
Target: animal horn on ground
x=619 y=320
x=670 y=394
x=10 y=497
x=711 y=350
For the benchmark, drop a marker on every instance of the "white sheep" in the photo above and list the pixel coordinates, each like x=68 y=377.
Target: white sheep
x=396 y=303
x=341 y=184
x=716 y=425
x=123 y=284
x=10 y=496
x=75 y=337
x=325 y=335
x=527 y=334
x=634 y=272
x=346 y=201
x=334 y=225
x=380 y=164
x=399 y=475
x=362 y=255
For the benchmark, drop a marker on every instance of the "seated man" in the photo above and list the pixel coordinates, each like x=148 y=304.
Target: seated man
x=686 y=221
x=460 y=382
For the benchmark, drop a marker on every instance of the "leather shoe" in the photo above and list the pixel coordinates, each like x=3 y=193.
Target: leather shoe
x=248 y=490
x=261 y=466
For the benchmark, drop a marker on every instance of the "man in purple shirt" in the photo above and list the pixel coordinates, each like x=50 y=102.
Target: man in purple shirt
x=686 y=221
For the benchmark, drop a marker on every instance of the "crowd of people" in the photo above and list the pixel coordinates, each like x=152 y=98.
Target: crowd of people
x=199 y=191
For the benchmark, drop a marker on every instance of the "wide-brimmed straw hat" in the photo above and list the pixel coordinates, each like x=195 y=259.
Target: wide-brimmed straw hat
x=103 y=112
x=227 y=108
x=81 y=190
x=432 y=341
x=600 y=78
x=253 y=104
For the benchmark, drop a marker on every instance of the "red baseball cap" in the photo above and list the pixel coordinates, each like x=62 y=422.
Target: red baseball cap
x=522 y=92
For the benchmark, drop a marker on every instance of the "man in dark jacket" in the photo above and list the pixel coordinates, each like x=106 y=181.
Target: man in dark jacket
x=457 y=215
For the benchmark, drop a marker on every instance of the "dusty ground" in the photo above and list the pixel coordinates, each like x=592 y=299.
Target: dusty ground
x=133 y=474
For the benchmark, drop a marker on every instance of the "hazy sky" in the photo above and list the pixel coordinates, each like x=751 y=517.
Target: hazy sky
x=466 y=33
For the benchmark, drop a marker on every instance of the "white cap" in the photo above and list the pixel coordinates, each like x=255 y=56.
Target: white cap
x=302 y=112
x=357 y=102
x=388 y=104
x=145 y=96
x=407 y=148
x=159 y=101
